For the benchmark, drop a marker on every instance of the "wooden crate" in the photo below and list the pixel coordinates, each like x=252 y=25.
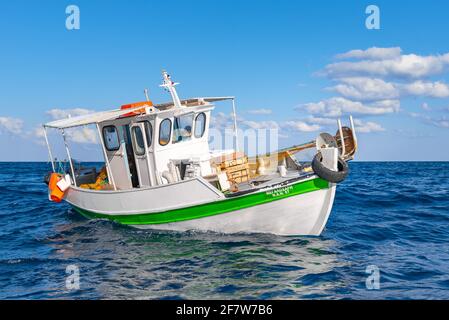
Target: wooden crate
x=235 y=166
x=239 y=175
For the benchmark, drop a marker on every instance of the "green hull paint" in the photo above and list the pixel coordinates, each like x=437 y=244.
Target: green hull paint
x=213 y=208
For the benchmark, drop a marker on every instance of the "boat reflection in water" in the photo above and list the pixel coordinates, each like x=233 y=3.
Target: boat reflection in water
x=121 y=262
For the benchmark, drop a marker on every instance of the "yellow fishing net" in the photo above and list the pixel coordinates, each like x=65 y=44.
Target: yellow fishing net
x=101 y=182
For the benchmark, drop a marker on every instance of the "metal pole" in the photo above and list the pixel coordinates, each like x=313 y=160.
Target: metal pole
x=70 y=157
x=146 y=94
x=49 y=149
x=105 y=155
x=236 y=137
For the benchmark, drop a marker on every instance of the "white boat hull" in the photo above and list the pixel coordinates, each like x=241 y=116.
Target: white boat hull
x=304 y=214
x=299 y=208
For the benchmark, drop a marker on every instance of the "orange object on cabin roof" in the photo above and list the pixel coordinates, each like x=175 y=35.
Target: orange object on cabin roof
x=142 y=104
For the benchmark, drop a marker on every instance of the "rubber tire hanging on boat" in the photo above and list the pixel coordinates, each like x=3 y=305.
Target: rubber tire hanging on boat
x=47 y=178
x=328 y=174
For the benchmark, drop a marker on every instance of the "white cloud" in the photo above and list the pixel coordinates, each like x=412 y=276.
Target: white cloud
x=363 y=88
x=427 y=89
x=84 y=135
x=221 y=121
x=260 y=124
x=361 y=126
x=442 y=122
x=337 y=106
x=426 y=107
x=57 y=114
x=36 y=135
x=302 y=126
x=403 y=66
x=367 y=127
x=260 y=111
x=11 y=125
x=372 y=53
x=321 y=121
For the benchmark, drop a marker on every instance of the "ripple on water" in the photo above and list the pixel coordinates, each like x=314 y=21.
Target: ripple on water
x=391 y=215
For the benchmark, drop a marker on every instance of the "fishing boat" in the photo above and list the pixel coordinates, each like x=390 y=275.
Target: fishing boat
x=160 y=172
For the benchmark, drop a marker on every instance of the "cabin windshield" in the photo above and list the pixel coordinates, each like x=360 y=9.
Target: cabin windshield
x=182 y=128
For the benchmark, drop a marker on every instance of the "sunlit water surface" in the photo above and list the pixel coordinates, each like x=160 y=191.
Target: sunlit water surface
x=391 y=215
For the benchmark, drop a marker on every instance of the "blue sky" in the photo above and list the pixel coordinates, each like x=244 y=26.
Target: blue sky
x=293 y=59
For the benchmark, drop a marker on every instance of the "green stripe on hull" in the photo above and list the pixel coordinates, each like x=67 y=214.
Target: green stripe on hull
x=215 y=207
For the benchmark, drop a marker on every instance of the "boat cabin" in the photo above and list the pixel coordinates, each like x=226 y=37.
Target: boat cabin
x=146 y=144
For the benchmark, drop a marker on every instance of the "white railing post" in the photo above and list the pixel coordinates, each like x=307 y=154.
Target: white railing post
x=70 y=157
x=354 y=135
x=49 y=149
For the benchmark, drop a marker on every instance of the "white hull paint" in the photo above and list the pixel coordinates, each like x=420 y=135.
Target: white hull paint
x=146 y=200
x=304 y=214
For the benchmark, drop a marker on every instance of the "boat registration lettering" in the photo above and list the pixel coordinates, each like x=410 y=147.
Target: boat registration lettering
x=279 y=192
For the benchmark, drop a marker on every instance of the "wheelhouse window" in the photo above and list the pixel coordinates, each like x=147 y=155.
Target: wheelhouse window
x=164 y=132
x=110 y=137
x=200 y=125
x=148 y=132
x=182 y=128
x=138 y=141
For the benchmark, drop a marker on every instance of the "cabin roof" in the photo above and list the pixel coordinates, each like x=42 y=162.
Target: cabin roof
x=192 y=102
x=98 y=117
x=92 y=118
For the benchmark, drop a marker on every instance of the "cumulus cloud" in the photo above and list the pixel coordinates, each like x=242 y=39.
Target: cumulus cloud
x=302 y=126
x=427 y=89
x=260 y=124
x=11 y=125
x=367 y=127
x=425 y=106
x=320 y=120
x=373 y=82
x=36 y=135
x=372 y=53
x=337 y=106
x=221 y=121
x=441 y=122
x=403 y=66
x=260 y=111
x=363 y=88
x=361 y=126
x=84 y=135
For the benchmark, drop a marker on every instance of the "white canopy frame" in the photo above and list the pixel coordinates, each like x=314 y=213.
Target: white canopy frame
x=80 y=121
x=99 y=117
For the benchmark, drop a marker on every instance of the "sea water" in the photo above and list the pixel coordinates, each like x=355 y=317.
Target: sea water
x=387 y=238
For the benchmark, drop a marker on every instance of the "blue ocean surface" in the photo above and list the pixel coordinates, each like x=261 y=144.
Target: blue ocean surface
x=388 y=216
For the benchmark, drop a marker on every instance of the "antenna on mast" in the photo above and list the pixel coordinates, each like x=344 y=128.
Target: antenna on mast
x=169 y=85
x=146 y=94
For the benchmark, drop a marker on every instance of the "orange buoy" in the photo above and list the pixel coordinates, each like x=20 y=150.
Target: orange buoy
x=56 y=194
x=135 y=105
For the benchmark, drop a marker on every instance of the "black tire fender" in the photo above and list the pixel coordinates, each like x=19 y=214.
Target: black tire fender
x=47 y=178
x=326 y=173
